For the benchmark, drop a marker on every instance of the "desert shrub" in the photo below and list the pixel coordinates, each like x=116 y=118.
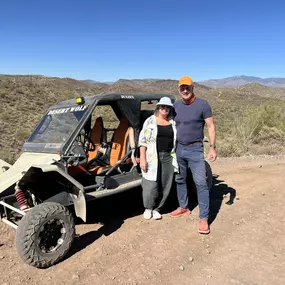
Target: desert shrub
x=274 y=115
x=269 y=134
x=268 y=149
x=240 y=130
x=3 y=92
x=246 y=127
x=22 y=134
x=5 y=116
x=67 y=94
x=20 y=90
x=231 y=146
x=258 y=119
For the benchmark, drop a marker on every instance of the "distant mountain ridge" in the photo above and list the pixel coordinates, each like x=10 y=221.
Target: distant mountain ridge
x=228 y=82
x=237 y=81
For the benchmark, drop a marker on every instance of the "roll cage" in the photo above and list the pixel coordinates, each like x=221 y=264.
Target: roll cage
x=50 y=179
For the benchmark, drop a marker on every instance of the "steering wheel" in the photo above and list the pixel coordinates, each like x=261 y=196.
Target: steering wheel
x=88 y=143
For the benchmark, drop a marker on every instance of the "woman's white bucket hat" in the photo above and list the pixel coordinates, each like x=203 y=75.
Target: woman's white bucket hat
x=165 y=101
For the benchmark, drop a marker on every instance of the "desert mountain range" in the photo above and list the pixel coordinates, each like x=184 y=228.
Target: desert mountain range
x=228 y=82
x=237 y=81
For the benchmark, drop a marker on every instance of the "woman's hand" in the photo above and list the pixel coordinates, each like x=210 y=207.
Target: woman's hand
x=143 y=164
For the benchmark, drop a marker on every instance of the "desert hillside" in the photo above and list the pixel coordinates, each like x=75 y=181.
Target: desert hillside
x=250 y=119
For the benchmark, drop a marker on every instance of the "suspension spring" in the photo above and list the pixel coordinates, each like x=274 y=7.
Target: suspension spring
x=21 y=199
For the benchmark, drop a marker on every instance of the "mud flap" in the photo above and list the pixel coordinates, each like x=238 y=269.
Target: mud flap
x=80 y=205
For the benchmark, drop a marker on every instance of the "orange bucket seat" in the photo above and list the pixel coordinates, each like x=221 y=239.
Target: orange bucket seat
x=118 y=147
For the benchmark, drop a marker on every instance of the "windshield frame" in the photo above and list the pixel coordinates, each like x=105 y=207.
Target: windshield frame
x=60 y=148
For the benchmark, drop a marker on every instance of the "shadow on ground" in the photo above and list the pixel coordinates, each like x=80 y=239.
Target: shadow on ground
x=220 y=192
x=112 y=211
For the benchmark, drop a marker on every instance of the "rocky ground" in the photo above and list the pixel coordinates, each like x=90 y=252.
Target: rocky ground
x=116 y=246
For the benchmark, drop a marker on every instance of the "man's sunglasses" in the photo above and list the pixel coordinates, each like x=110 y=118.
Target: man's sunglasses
x=187 y=88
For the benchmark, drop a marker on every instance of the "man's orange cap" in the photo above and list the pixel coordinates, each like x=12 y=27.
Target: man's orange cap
x=185 y=80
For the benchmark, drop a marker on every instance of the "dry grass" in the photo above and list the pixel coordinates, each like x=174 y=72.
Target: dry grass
x=247 y=121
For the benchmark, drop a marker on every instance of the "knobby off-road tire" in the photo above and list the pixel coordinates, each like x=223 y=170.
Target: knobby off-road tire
x=45 y=234
x=209 y=175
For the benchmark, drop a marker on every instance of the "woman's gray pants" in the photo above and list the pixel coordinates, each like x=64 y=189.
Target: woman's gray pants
x=156 y=192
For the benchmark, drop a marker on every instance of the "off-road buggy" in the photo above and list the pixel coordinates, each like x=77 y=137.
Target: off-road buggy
x=70 y=158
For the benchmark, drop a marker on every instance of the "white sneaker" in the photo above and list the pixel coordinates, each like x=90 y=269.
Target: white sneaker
x=147 y=214
x=156 y=215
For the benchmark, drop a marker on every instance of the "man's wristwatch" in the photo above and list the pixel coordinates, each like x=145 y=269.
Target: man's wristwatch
x=213 y=146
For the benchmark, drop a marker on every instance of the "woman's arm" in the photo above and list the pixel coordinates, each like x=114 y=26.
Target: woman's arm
x=143 y=146
x=142 y=137
x=132 y=144
x=143 y=163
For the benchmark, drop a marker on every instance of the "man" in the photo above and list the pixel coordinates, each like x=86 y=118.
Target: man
x=191 y=114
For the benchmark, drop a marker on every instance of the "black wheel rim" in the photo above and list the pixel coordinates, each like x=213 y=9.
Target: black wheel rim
x=51 y=235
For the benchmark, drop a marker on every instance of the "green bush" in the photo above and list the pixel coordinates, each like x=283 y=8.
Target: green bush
x=269 y=134
x=231 y=146
x=5 y=116
x=23 y=134
x=3 y=92
x=238 y=131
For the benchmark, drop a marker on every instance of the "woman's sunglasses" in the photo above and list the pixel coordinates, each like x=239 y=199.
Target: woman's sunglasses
x=164 y=107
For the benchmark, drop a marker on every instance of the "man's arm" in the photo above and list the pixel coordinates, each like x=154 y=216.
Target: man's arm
x=212 y=155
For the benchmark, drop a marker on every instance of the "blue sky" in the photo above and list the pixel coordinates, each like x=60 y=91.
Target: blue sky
x=108 y=40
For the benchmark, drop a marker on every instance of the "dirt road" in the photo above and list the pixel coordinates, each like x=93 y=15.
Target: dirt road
x=116 y=246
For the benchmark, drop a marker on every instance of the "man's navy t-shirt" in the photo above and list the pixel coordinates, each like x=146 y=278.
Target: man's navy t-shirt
x=190 y=120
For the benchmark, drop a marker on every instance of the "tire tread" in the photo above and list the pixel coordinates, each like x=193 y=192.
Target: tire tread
x=27 y=231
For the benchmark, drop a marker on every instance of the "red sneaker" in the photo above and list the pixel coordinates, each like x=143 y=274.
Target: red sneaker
x=204 y=227
x=179 y=212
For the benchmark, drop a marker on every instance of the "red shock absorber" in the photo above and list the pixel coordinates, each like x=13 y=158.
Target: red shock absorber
x=21 y=199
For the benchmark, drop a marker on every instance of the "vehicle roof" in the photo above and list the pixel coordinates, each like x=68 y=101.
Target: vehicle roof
x=108 y=98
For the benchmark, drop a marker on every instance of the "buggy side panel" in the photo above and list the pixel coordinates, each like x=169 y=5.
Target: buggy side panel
x=24 y=162
x=51 y=183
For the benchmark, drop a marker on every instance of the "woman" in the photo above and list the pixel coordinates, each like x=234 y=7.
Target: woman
x=157 y=158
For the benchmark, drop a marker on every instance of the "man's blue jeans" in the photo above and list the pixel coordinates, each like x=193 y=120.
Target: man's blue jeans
x=192 y=156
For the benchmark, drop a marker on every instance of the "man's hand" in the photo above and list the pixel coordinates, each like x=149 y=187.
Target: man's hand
x=212 y=155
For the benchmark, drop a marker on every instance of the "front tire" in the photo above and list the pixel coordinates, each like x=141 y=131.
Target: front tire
x=45 y=235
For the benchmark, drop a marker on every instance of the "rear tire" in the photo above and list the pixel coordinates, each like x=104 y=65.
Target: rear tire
x=45 y=235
